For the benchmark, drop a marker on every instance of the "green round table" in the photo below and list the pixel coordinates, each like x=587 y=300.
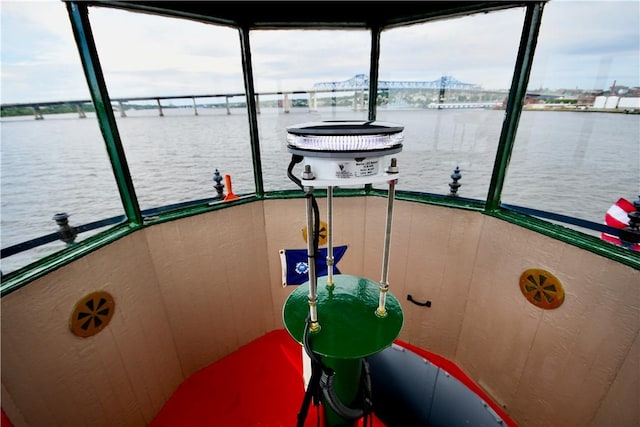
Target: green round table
x=350 y=329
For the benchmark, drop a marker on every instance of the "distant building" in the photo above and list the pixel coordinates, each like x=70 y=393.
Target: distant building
x=625 y=103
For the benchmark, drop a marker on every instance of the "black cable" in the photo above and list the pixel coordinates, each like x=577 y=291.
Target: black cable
x=295 y=159
x=306 y=341
x=330 y=396
x=321 y=380
x=367 y=401
x=316 y=225
x=318 y=370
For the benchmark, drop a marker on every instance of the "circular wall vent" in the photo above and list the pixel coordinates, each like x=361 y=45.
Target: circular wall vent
x=541 y=288
x=92 y=314
x=322 y=238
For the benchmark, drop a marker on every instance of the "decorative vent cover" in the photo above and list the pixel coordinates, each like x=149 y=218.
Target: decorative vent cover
x=322 y=238
x=92 y=314
x=541 y=288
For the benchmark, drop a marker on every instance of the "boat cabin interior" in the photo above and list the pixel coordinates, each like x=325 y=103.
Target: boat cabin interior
x=196 y=323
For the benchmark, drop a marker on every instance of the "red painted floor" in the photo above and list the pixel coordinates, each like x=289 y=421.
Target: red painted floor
x=261 y=385
x=4 y=420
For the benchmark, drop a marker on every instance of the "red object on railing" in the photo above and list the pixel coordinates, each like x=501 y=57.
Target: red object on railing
x=618 y=216
x=230 y=196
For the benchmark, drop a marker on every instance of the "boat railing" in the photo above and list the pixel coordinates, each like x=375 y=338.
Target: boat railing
x=67 y=233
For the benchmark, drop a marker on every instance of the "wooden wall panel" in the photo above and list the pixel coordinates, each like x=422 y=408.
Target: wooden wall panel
x=214 y=279
x=350 y=229
x=549 y=367
x=284 y=221
x=375 y=219
x=190 y=291
x=122 y=375
x=620 y=405
x=439 y=268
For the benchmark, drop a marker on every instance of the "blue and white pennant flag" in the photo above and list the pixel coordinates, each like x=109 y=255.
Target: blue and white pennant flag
x=295 y=264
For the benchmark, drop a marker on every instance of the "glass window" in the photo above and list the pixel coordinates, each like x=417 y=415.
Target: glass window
x=576 y=151
x=305 y=76
x=57 y=163
x=447 y=83
x=178 y=94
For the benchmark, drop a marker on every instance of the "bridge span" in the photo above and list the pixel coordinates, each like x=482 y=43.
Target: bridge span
x=361 y=81
x=358 y=85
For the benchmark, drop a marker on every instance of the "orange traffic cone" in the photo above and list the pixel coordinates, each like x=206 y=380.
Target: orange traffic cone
x=230 y=196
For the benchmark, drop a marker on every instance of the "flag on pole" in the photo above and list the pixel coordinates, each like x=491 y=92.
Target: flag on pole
x=618 y=216
x=295 y=264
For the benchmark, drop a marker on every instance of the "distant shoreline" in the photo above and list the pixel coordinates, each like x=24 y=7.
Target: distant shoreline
x=579 y=109
x=52 y=111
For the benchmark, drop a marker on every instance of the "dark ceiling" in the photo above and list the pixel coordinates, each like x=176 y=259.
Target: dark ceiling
x=279 y=14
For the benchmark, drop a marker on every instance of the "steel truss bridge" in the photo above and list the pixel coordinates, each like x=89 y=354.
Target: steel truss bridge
x=361 y=82
x=358 y=84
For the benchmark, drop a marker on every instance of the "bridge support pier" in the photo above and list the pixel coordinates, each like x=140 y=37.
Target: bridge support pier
x=313 y=102
x=195 y=107
x=257 y=103
x=358 y=100
x=286 y=103
x=121 y=107
x=37 y=114
x=228 y=108
x=160 y=112
x=81 y=113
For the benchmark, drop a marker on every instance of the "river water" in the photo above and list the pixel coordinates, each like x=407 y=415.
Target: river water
x=571 y=163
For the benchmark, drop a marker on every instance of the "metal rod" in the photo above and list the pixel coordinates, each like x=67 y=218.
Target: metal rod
x=311 y=261
x=330 y=258
x=381 y=311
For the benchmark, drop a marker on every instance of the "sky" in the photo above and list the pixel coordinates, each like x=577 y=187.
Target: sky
x=583 y=44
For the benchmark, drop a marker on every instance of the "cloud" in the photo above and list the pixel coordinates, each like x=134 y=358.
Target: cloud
x=478 y=49
x=582 y=44
x=588 y=44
